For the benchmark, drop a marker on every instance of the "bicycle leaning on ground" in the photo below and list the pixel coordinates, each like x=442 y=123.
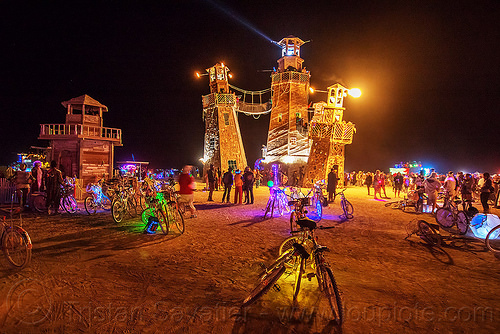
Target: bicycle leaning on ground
x=293 y=258
x=346 y=206
x=67 y=202
x=15 y=241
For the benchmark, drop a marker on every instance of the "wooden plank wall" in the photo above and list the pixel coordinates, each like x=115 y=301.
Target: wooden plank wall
x=95 y=160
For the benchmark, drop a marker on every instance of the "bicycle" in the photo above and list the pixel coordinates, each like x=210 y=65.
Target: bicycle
x=451 y=219
x=412 y=200
x=427 y=232
x=492 y=240
x=123 y=203
x=166 y=210
x=293 y=256
x=96 y=199
x=277 y=199
x=318 y=199
x=15 y=241
x=346 y=206
x=67 y=203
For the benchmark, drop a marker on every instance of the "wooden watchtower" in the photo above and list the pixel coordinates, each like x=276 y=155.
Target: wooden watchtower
x=329 y=134
x=82 y=146
x=287 y=139
x=223 y=145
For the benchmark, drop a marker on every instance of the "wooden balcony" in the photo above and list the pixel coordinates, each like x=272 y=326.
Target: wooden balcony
x=73 y=131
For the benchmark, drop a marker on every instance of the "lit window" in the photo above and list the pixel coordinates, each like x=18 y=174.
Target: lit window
x=232 y=164
x=211 y=144
x=280 y=117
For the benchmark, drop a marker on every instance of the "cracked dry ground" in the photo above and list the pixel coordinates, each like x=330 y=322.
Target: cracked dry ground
x=90 y=275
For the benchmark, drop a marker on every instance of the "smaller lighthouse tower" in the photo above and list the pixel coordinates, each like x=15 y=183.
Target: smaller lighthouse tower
x=223 y=145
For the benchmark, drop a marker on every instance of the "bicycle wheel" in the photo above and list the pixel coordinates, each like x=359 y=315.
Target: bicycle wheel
x=70 y=205
x=347 y=208
x=427 y=233
x=16 y=246
x=90 y=205
x=118 y=211
x=444 y=218
x=268 y=207
x=462 y=221
x=265 y=283
x=174 y=215
x=286 y=246
x=332 y=293
x=493 y=239
x=40 y=203
x=162 y=220
x=319 y=209
x=299 y=272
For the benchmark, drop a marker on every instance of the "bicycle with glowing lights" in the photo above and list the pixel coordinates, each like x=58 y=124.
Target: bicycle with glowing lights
x=277 y=202
x=96 y=198
x=164 y=207
x=15 y=241
x=294 y=260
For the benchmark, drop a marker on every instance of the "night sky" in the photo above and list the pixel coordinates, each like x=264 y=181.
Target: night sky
x=429 y=72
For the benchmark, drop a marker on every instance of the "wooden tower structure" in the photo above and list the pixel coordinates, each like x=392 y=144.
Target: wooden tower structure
x=287 y=139
x=329 y=134
x=82 y=146
x=223 y=145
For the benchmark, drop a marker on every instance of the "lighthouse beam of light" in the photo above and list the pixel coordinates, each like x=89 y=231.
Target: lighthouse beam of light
x=241 y=20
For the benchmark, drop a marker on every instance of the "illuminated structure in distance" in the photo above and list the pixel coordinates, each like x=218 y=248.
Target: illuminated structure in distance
x=287 y=139
x=223 y=146
x=82 y=146
x=329 y=134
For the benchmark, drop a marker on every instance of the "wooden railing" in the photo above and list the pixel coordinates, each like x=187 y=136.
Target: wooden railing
x=49 y=131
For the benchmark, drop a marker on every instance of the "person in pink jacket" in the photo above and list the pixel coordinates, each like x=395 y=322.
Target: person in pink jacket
x=238 y=185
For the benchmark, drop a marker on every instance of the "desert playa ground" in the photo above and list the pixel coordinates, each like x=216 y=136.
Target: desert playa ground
x=91 y=275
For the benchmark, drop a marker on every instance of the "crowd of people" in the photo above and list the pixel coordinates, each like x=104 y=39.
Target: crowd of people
x=469 y=187
x=243 y=184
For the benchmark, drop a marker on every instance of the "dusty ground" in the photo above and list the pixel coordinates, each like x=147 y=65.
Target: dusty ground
x=89 y=274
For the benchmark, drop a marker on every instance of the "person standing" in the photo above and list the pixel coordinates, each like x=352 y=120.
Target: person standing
x=431 y=186
x=186 y=188
x=23 y=179
x=450 y=184
x=368 y=181
x=376 y=184
x=53 y=183
x=258 y=177
x=238 y=187
x=466 y=191
x=228 y=183
x=211 y=182
x=398 y=184
x=248 y=180
x=486 y=190
x=333 y=180
x=37 y=173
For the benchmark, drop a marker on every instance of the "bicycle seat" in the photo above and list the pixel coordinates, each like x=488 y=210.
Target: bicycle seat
x=307 y=223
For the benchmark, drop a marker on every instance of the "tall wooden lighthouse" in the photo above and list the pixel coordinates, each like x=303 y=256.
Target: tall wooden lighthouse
x=82 y=146
x=287 y=139
x=223 y=145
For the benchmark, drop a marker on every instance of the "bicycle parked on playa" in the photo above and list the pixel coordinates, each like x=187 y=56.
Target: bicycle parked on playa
x=425 y=231
x=96 y=198
x=451 y=219
x=68 y=202
x=15 y=241
x=346 y=206
x=492 y=240
x=165 y=210
x=292 y=260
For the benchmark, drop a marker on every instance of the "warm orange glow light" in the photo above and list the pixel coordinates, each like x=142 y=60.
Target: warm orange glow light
x=230 y=75
x=311 y=89
x=355 y=92
x=197 y=74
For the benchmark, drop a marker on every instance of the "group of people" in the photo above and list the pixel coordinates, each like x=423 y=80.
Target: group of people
x=468 y=187
x=38 y=180
x=243 y=183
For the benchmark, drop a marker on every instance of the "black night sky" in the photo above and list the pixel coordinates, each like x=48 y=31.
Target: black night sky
x=429 y=72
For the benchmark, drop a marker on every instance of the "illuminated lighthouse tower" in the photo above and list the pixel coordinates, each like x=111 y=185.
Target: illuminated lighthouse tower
x=287 y=139
x=223 y=145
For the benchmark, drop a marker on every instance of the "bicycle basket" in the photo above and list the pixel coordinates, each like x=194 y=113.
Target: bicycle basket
x=152 y=225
